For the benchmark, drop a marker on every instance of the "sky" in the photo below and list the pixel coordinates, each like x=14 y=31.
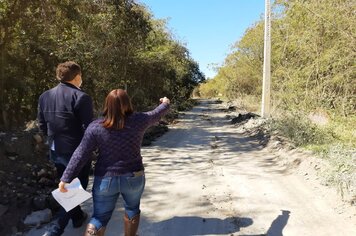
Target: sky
x=208 y=28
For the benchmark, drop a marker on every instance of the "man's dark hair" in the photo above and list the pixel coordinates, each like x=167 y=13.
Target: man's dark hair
x=67 y=71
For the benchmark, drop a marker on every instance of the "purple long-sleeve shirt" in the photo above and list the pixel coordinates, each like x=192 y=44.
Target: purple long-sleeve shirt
x=119 y=150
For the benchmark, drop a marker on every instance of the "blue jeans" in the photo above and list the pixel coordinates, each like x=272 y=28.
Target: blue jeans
x=106 y=191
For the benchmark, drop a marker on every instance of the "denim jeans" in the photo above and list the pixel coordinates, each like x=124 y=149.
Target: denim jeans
x=62 y=217
x=106 y=191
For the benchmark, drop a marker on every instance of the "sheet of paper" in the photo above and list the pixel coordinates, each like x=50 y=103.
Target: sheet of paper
x=73 y=197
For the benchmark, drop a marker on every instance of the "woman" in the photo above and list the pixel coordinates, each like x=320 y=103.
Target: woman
x=119 y=168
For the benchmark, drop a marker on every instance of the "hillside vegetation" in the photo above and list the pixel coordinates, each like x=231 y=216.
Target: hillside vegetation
x=117 y=43
x=313 y=78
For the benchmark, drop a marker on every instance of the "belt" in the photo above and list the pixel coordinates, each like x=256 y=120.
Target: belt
x=138 y=173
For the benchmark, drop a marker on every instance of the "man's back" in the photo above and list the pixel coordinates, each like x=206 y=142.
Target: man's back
x=64 y=113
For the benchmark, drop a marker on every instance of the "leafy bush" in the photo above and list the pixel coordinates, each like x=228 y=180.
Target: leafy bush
x=186 y=105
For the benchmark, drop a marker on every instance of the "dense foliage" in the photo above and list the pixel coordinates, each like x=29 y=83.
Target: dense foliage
x=313 y=58
x=117 y=42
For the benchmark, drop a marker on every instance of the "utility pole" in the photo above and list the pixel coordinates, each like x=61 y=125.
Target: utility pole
x=266 y=86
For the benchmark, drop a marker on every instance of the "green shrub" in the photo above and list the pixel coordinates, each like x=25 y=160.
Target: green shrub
x=301 y=130
x=186 y=105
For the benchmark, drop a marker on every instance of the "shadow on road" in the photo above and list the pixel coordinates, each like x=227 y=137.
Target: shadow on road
x=193 y=225
x=277 y=226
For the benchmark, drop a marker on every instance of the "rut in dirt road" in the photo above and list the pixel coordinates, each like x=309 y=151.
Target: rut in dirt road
x=203 y=178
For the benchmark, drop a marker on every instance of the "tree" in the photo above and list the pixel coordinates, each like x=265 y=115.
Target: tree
x=117 y=43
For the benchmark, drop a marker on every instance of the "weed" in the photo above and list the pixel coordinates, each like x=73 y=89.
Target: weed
x=342 y=171
x=301 y=131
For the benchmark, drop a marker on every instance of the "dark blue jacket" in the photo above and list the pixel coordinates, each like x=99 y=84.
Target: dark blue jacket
x=64 y=112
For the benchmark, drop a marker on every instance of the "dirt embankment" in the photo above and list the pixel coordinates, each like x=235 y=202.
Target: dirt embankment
x=291 y=157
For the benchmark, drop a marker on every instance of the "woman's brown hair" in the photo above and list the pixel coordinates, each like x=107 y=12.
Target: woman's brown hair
x=117 y=107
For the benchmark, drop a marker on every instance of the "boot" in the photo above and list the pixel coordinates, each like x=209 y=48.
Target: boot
x=101 y=231
x=131 y=226
x=92 y=231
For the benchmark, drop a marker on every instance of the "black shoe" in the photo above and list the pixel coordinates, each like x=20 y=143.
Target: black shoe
x=79 y=223
x=53 y=230
x=48 y=233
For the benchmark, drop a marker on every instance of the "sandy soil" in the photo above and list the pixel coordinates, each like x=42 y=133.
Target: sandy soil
x=204 y=178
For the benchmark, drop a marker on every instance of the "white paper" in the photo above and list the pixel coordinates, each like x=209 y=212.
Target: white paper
x=73 y=197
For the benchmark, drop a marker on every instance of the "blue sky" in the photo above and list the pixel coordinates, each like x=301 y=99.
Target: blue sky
x=207 y=27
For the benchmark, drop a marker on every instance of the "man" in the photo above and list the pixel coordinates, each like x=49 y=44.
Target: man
x=64 y=112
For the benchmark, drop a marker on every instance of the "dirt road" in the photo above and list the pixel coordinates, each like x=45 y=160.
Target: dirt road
x=203 y=178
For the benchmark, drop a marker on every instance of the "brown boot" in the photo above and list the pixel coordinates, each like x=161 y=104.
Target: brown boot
x=91 y=231
x=101 y=231
x=131 y=226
